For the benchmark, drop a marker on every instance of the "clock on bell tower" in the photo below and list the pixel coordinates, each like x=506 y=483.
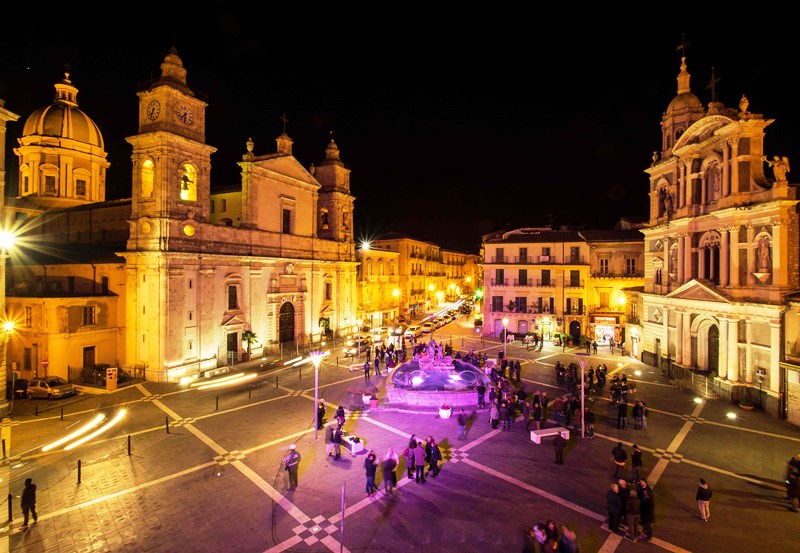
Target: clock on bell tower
x=171 y=161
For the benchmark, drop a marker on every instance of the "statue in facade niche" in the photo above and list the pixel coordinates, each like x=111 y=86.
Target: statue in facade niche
x=763 y=255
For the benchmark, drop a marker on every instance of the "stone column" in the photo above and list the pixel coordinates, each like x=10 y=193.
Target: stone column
x=702 y=271
x=681 y=260
x=679 y=338
x=734 y=166
x=687 y=339
x=748 y=352
x=774 y=355
x=724 y=337
x=665 y=313
x=751 y=256
x=733 y=256
x=724 y=255
x=780 y=255
x=733 y=350
x=726 y=172
x=687 y=261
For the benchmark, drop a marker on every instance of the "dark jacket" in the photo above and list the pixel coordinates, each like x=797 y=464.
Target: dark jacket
x=370 y=465
x=619 y=455
x=648 y=506
x=559 y=442
x=329 y=434
x=29 y=497
x=636 y=458
x=613 y=502
x=703 y=492
x=633 y=506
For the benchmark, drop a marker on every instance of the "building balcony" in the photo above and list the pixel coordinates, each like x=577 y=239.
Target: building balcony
x=531 y=282
x=575 y=284
x=635 y=274
x=536 y=260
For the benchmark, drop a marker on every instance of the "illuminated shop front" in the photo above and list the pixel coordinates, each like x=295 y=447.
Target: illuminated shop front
x=603 y=328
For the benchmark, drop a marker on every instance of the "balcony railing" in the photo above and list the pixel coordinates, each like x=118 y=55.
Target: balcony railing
x=531 y=282
x=623 y=274
x=536 y=260
x=528 y=310
x=575 y=284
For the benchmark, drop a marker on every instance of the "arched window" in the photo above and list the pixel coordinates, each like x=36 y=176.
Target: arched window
x=148 y=178
x=188 y=183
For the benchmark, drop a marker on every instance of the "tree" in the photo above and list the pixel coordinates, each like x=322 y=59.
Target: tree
x=249 y=337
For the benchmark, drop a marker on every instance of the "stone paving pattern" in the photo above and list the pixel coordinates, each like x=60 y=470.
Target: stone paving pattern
x=214 y=482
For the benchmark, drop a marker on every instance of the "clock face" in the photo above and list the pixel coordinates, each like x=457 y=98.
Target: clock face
x=153 y=110
x=184 y=114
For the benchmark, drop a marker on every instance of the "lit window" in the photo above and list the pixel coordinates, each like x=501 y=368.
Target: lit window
x=28 y=316
x=630 y=265
x=80 y=187
x=604 y=266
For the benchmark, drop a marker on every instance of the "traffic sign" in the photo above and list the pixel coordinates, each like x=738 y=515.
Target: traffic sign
x=45 y=362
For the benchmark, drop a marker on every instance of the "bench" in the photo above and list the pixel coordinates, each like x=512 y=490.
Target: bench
x=354 y=446
x=537 y=435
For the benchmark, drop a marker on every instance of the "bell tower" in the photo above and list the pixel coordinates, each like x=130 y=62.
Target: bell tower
x=171 y=162
x=335 y=220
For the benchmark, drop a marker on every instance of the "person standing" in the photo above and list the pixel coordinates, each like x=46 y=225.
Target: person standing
x=636 y=462
x=368 y=351
x=28 y=503
x=367 y=368
x=337 y=442
x=589 y=422
x=568 y=542
x=703 y=497
x=503 y=413
x=648 y=515
x=408 y=455
x=436 y=458
x=320 y=414
x=291 y=463
x=558 y=444
x=614 y=508
x=370 y=467
x=637 y=415
x=462 y=425
x=481 y=395
x=419 y=462
x=793 y=482
x=329 y=445
x=633 y=511
x=517 y=371
x=377 y=363
x=389 y=470
x=618 y=456
x=494 y=414
x=622 y=415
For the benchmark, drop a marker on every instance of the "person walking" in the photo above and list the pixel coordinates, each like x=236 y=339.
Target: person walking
x=793 y=482
x=389 y=470
x=291 y=463
x=419 y=462
x=637 y=411
x=618 y=456
x=633 y=511
x=614 y=508
x=589 y=422
x=517 y=371
x=558 y=444
x=435 y=459
x=462 y=425
x=636 y=462
x=28 y=503
x=703 y=497
x=340 y=415
x=568 y=541
x=370 y=467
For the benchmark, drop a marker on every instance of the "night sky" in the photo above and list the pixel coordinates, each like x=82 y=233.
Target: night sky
x=453 y=126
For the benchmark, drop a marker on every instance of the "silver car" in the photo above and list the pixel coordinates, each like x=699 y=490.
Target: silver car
x=50 y=387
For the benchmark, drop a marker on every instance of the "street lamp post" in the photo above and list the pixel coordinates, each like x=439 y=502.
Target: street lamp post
x=582 y=360
x=505 y=335
x=761 y=374
x=6 y=241
x=316 y=358
x=358 y=333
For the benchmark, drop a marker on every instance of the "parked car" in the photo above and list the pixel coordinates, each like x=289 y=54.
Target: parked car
x=428 y=327
x=50 y=387
x=19 y=388
x=96 y=375
x=380 y=333
x=357 y=344
x=412 y=332
x=398 y=329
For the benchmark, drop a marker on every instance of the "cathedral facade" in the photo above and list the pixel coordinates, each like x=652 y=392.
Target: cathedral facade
x=180 y=279
x=722 y=250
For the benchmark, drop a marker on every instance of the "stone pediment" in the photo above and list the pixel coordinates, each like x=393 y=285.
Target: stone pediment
x=232 y=320
x=288 y=166
x=697 y=290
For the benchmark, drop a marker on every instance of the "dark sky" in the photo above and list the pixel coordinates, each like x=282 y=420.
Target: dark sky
x=453 y=125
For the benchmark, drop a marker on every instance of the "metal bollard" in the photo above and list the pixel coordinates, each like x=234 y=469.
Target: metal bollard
x=10 y=506
x=36 y=409
x=79 y=471
x=276 y=381
x=166 y=421
x=62 y=412
x=129 y=444
x=4 y=448
x=249 y=393
x=217 y=408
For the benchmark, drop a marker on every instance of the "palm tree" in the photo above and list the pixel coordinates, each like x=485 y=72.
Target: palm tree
x=249 y=337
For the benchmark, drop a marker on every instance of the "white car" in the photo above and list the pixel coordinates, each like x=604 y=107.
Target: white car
x=412 y=332
x=428 y=327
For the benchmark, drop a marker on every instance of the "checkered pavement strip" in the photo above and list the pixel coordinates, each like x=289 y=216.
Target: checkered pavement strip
x=668 y=455
x=182 y=422
x=692 y=418
x=151 y=397
x=229 y=457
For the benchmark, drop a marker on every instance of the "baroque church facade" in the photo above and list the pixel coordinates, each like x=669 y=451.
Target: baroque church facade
x=170 y=282
x=722 y=252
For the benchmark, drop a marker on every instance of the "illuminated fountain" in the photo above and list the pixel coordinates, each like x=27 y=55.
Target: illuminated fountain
x=429 y=382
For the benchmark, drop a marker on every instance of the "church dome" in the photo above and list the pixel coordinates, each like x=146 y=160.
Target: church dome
x=63 y=119
x=686 y=101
